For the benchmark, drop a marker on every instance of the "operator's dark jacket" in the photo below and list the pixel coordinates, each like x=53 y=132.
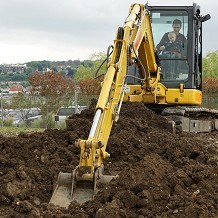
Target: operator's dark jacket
x=173 y=46
x=165 y=39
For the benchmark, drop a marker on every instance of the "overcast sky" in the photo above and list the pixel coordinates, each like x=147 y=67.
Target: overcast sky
x=74 y=29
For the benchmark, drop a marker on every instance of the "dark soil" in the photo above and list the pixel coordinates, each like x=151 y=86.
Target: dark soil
x=161 y=173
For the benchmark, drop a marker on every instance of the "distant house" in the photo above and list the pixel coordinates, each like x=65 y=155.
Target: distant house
x=14 y=89
x=13 y=68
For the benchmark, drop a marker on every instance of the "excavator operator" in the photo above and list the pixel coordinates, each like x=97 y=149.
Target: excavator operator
x=172 y=46
x=177 y=25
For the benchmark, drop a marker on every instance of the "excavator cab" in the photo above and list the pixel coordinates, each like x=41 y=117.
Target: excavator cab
x=181 y=57
x=181 y=60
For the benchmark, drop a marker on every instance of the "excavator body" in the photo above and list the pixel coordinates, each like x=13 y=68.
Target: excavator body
x=138 y=72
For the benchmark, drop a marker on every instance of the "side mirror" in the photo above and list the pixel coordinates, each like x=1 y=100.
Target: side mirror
x=205 y=18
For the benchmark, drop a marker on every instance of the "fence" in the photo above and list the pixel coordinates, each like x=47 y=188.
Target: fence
x=210 y=100
x=49 y=107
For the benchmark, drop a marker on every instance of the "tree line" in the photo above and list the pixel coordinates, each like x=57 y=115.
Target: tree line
x=88 y=78
x=57 y=89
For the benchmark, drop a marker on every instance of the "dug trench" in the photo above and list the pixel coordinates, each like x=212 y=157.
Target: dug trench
x=161 y=173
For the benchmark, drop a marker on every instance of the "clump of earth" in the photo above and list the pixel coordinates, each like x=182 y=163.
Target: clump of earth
x=161 y=173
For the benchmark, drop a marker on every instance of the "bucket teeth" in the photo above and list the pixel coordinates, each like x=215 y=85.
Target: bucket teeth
x=69 y=188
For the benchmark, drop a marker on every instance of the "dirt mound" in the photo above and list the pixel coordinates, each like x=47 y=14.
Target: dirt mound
x=161 y=174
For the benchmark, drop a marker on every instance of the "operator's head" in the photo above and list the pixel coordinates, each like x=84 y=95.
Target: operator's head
x=172 y=36
x=177 y=24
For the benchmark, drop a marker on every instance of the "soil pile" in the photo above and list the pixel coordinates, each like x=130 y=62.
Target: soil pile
x=161 y=174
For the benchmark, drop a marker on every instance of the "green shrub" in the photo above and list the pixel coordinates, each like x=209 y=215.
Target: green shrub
x=38 y=123
x=22 y=124
x=8 y=122
x=49 y=119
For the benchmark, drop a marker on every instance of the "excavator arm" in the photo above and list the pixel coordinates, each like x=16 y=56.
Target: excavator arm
x=133 y=44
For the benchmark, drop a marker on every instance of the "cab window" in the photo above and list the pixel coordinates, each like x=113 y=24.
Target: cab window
x=170 y=33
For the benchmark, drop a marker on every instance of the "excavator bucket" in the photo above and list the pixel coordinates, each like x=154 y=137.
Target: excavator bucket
x=68 y=189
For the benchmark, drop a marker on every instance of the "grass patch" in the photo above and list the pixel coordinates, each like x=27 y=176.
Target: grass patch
x=13 y=131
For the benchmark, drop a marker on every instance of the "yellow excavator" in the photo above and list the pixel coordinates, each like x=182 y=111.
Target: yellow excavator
x=137 y=71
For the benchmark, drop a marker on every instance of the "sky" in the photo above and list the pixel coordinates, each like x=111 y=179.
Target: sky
x=61 y=30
